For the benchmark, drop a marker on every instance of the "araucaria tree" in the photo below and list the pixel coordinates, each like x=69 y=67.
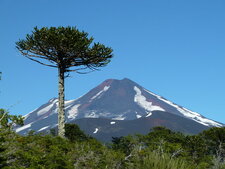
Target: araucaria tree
x=68 y=50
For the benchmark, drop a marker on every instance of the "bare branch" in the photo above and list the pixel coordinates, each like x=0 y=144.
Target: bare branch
x=29 y=56
x=26 y=54
x=41 y=62
x=84 y=72
x=84 y=68
x=3 y=116
x=38 y=55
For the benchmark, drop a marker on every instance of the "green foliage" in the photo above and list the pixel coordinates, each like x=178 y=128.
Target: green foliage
x=6 y=135
x=215 y=138
x=3 y=159
x=215 y=143
x=64 y=47
x=7 y=120
x=39 y=151
x=73 y=133
x=196 y=150
x=159 y=149
x=154 y=160
x=201 y=151
x=164 y=141
x=124 y=144
x=141 y=154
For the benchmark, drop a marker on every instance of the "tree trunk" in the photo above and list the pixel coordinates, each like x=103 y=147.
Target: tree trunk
x=61 y=111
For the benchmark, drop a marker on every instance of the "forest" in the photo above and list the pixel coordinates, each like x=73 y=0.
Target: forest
x=161 y=148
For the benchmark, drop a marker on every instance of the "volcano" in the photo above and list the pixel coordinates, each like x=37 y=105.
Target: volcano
x=117 y=108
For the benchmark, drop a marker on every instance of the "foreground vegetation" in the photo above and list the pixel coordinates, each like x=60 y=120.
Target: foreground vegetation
x=161 y=148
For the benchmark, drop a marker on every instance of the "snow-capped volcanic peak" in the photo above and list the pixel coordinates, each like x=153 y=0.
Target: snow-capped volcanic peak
x=115 y=100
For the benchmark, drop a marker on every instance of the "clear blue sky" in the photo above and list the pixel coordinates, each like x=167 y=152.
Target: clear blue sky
x=174 y=48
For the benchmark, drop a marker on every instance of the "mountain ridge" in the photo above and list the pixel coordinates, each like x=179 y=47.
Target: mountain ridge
x=115 y=100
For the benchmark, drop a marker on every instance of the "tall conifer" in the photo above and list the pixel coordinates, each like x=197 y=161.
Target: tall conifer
x=68 y=50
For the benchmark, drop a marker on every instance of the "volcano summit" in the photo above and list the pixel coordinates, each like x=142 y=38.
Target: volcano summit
x=118 y=106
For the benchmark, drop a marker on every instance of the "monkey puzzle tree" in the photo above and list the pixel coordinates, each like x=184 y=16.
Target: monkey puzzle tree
x=68 y=50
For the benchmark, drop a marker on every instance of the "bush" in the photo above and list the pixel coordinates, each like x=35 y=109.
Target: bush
x=73 y=133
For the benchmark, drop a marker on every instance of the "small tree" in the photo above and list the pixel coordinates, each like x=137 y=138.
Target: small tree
x=7 y=121
x=67 y=49
x=74 y=133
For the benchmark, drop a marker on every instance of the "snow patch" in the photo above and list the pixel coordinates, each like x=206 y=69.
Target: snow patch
x=43 y=128
x=198 y=118
x=23 y=127
x=54 y=125
x=44 y=110
x=96 y=130
x=91 y=115
x=45 y=117
x=99 y=93
x=187 y=113
x=68 y=103
x=138 y=116
x=73 y=112
x=119 y=117
x=149 y=114
x=53 y=100
x=141 y=101
x=112 y=122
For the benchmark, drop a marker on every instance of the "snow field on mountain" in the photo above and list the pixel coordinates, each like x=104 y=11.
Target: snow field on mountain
x=187 y=113
x=137 y=115
x=142 y=102
x=43 y=128
x=73 y=112
x=99 y=93
x=119 y=117
x=46 y=109
x=24 y=127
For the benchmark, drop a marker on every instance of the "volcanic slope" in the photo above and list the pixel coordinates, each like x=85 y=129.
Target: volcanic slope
x=121 y=104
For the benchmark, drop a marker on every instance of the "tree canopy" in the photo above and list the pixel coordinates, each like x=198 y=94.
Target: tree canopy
x=66 y=47
x=7 y=120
